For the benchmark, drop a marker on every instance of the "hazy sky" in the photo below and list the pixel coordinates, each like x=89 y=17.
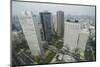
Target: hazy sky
x=18 y=7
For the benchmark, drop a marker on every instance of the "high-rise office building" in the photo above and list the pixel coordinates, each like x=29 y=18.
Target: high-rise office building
x=71 y=35
x=83 y=38
x=15 y=23
x=60 y=23
x=55 y=23
x=31 y=30
x=46 y=24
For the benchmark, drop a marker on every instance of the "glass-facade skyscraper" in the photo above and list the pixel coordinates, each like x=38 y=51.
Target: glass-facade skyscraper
x=46 y=24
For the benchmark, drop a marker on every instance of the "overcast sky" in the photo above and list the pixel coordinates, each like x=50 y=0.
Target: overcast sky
x=18 y=7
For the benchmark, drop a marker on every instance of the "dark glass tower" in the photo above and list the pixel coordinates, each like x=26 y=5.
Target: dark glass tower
x=46 y=24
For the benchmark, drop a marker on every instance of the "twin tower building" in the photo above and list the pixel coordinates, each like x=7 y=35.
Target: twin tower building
x=38 y=29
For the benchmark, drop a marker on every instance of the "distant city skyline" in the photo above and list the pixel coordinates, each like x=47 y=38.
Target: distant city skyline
x=18 y=7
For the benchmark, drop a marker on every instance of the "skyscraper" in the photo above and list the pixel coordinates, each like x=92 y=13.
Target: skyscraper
x=55 y=23
x=83 y=38
x=60 y=23
x=15 y=23
x=71 y=35
x=31 y=31
x=46 y=24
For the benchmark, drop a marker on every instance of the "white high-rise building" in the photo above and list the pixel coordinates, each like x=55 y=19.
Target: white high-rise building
x=55 y=23
x=31 y=30
x=71 y=35
x=83 y=38
x=82 y=42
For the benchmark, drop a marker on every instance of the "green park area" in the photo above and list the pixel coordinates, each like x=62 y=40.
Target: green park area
x=49 y=56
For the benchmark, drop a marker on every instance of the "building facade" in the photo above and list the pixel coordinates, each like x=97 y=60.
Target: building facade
x=60 y=23
x=46 y=25
x=82 y=42
x=71 y=35
x=31 y=31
